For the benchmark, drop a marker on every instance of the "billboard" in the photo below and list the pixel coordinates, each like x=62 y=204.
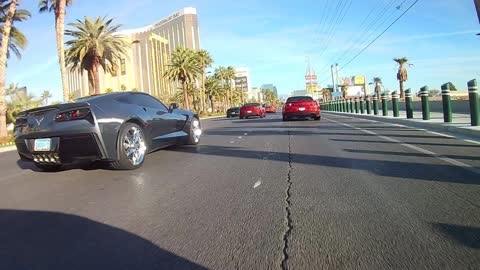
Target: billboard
x=359 y=80
x=241 y=82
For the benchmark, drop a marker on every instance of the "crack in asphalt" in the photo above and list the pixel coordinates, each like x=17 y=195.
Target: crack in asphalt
x=288 y=219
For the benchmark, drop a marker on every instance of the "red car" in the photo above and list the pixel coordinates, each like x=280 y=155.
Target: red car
x=301 y=107
x=270 y=109
x=252 y=109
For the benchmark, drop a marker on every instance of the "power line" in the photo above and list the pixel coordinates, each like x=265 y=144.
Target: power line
x=381 y=34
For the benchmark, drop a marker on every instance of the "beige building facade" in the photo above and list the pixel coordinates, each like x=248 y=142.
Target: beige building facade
x=147 y=60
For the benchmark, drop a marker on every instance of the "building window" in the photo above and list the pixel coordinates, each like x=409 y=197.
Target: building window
x=123 y=70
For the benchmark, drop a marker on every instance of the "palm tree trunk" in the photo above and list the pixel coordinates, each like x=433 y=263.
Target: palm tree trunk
x=59 y=27
x=91 y=83
x=7 y=26
x=96 y=77
x=401 y=89
x=185 y=95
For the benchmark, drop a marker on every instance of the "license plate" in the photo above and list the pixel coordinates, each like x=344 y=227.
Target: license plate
x=42 y=145
x=301 y=109
x=249 y=111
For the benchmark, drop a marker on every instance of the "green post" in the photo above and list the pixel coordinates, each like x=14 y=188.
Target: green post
x=337 y=108
x=375 y=104
x=474 y=102
x=384 y=104
x=352 y=110
x=425 y=103
x=409 y=103
x=396 y=111
x=369 y=105
x=344 y=104
x=356 y=105
x=362 y=106
x=447 y=103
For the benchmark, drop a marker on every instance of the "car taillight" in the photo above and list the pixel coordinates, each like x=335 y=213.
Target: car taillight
x=72 y=115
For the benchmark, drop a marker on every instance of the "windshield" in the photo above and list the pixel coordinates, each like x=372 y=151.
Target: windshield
x=252 y=104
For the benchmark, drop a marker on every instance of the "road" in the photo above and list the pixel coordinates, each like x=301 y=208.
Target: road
x=340 y=193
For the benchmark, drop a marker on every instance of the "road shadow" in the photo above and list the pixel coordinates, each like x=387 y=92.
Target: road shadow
x=50 y=240
x=257 y=120
x=387 y=168
x=390 y=153
x=463 y=235
x=414 y=143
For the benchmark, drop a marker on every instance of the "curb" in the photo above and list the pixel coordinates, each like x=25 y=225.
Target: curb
x=7 y=148
x=439 y=127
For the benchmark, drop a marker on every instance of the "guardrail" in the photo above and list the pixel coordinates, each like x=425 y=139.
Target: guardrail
x=360 y=105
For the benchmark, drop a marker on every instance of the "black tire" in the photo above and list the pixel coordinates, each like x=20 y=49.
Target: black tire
x=48 y=167
x=316 y=118
x=284 y=118
x=123 y=163
x=228 y=116
x=191 y=140
x=241 y=117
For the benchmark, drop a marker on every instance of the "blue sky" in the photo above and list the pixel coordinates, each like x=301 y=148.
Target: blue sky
x=273 y=38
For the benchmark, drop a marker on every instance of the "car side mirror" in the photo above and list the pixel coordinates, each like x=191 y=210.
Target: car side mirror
x=173 y=106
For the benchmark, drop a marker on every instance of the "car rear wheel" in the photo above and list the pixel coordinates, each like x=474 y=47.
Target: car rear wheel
x=195 y=132
x=284 y=118
x=316 y=118
x=132 y=148
x=48 y=167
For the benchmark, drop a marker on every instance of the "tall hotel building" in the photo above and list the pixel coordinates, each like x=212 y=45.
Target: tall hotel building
x=148 y=57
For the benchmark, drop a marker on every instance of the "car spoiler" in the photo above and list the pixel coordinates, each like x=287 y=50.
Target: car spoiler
x=61 y=107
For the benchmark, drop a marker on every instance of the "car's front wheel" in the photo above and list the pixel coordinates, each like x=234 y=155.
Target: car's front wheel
x=132 y=148
x=195 y=132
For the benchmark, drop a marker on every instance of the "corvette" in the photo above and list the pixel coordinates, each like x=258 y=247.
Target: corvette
x=118 y=128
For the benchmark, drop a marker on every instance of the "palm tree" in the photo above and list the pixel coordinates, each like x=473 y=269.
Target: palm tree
x=95 y=44
x=184 y=67
x=205 y=60
x=19 y=101
x=45 y=96
x=230 y=76
x=344 y=88
x=17 y=41
x=8 y=9
x=58 y=7
x=213 y=89
x=402 y=74
x=378 y=86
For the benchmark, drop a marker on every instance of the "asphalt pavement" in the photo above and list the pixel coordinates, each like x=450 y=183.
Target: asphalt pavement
x=340 y=193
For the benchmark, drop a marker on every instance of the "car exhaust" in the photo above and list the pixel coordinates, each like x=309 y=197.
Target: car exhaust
x=47 y=158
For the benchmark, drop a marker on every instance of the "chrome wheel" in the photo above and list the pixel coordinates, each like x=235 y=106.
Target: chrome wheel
x=134 y=146
x=196 y=131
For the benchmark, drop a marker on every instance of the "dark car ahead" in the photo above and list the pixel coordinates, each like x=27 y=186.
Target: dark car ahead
x=301 y=107
x=233 y=112
x=119 y=128
x=252 y=109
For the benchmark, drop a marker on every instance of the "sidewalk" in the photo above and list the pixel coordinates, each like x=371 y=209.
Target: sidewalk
x=460 y=125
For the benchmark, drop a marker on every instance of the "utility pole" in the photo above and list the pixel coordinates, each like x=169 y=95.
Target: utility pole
x=333 y=80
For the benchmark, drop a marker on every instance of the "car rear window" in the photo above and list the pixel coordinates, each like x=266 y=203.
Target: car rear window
x=252 y=104
x=296 y=99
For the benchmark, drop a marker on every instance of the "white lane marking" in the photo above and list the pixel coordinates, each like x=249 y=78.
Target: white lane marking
x=257 y=184
x=232 y=141
x=245 y=134
x=239 y=137
x=412 y=128
x=416 y=148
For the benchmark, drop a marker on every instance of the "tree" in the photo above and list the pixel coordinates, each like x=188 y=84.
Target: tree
x=344 y=88
x=206 y=61
x=95 y=45
x=213 y=90
x=123 y=87
x=17 y=40
x=230 y=76
x=18 y=101
x=184 y=67
x=8 y=9
x=378 y=86
x=402 y=74
x=45 y=96
x=58 y=7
